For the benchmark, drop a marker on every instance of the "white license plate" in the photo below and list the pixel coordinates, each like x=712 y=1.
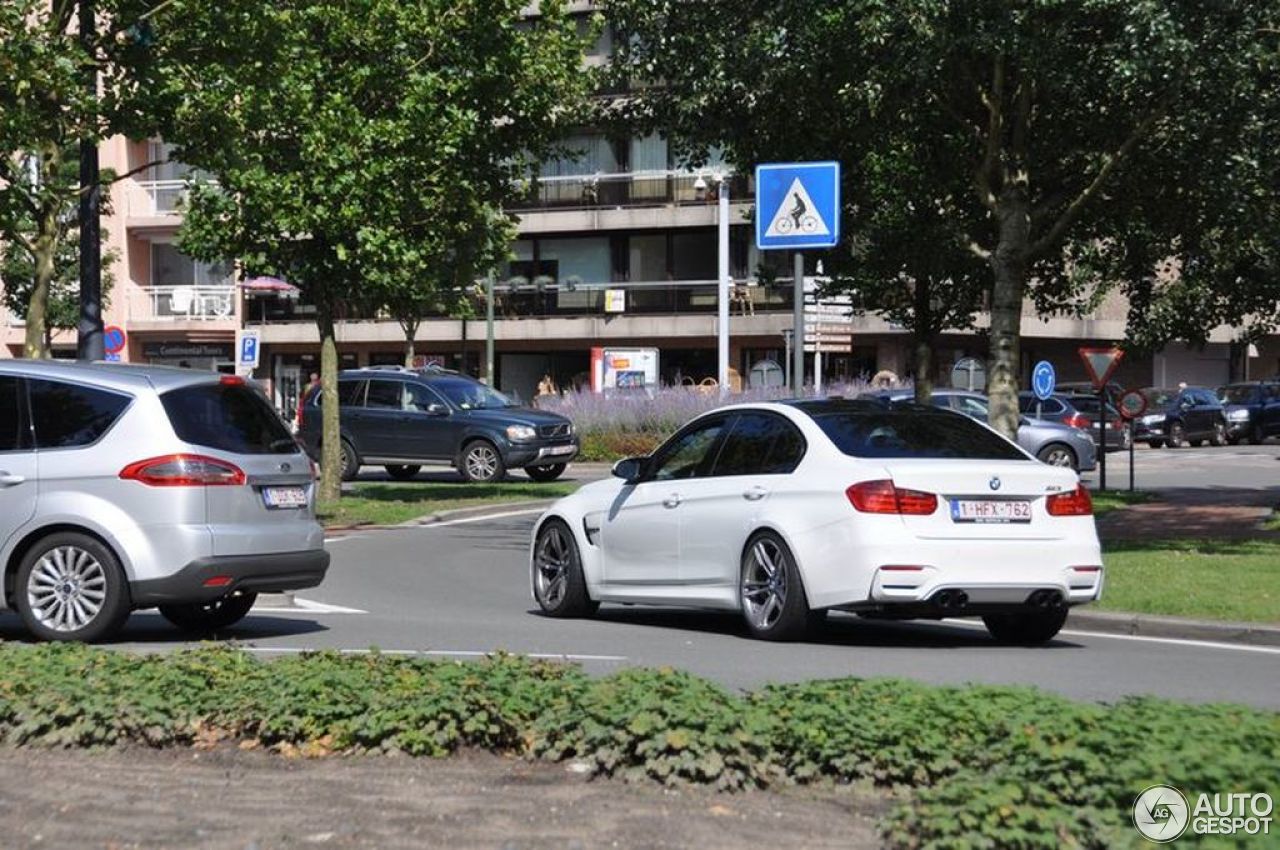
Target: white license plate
x=990 y=510
x=560 y=450
x=284 y=497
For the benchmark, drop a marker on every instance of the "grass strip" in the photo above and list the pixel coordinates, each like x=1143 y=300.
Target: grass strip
x=975 y=766
x=389 y=504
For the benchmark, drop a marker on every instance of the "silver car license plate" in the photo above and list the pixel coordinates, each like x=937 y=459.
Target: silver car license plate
x=990 y=510
x=284 y=497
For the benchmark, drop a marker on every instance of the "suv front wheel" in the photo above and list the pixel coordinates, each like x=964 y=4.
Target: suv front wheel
x=71 y=587
x=481 y=462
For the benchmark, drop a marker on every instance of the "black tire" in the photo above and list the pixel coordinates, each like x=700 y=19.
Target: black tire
x=403 y=473
x=555 y=569
x=1029 y=629
x=1156 y=444
x=787 y=619
x=349 y=461
x=1195 y=444
x=550 y=472
x=481 y=462
x=1257 y=436
x=70 y=562
x=1219 y=437
x=1234 y=441
x=1058 y=454
x=1177 y=436
x=205 y=617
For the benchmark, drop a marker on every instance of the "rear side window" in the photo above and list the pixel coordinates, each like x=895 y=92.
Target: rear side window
x=70 y=415
x=385 y=394
x=227 y=417
x=907 y=434
x=760 y=444
x=12 y=437
x=1028 y=404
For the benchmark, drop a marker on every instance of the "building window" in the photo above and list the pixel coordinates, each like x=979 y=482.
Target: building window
x=171 y=267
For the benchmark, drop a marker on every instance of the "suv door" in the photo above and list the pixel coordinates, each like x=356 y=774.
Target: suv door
x=381 y=430
x=431 y=432
x=17 y=459
x=721 y=509
x=641 y=531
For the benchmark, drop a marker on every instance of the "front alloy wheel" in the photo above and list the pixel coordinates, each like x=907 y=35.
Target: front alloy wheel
x=559 y=586
x=481 y=463
x=774 y=604
x=1177 y=437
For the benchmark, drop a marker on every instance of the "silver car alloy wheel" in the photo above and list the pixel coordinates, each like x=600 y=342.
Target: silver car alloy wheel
x=1059 y=457
x=764 y=584
x=482 y=462
x=551 y=567
x=67 y=588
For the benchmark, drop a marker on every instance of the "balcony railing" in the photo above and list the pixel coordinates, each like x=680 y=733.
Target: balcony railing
x=563 y=300
x=632 y=189
x=216 y=303
x=157 y=198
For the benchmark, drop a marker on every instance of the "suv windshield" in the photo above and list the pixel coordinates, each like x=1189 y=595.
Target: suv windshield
x=905 y=434
x=228 y=417
x=1244 y=394
x=1158 y=397
x=470 y=395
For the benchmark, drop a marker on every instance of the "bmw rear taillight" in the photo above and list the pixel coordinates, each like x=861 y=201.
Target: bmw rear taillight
x=184 y=470
x=1076 y=503
x=882 y=497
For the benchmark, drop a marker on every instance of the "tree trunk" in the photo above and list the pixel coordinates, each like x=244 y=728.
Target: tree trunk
x=410 y=331
x=330 y=433
x=923 y=376
x=45 y=247
x=1009 y=262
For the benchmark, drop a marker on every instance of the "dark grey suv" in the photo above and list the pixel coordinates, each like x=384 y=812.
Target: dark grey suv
x=401 y=418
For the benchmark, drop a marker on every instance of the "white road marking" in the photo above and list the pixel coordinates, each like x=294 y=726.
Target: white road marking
x=486 y=517
x=1202 y=644
x=306 y=606
x=432 y=653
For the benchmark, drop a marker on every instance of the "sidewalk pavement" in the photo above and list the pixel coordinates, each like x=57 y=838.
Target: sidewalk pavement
x=1209 y=512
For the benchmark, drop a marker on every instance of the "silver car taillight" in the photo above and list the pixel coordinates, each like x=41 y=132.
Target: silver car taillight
x=184 y=470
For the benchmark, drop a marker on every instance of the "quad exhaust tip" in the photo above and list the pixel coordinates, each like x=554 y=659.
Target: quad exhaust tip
x=1045 y=600
x=951 y=600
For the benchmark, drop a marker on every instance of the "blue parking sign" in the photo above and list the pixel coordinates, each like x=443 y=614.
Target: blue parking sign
x=797 y=205
x=1043 y=379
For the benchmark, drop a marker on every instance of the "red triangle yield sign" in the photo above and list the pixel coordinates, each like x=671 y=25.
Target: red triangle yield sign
x=1101 y=363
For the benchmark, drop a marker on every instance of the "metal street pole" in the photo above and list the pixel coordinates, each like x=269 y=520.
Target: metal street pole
x=797 y=334
x=723 y=333
x=488 y=329
x=89 y=345
x=1102 y=454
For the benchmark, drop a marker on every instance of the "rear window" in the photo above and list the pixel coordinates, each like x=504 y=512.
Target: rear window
x=907 y=434
x=228 y=417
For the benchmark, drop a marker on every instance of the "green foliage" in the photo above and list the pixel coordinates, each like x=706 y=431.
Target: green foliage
x=974 y=767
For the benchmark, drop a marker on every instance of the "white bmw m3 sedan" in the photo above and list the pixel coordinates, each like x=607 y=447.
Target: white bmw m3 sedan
x=784 y=511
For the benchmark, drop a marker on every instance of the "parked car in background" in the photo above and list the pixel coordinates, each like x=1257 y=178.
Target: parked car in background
x=1181 y=415
x=403 y=418
x=128 y=487
x=783 y=511
x=1252 y=410
x=1051 y=442
x=1078 y=411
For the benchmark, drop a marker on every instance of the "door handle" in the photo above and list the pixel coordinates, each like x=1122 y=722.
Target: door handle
x=673 y=501
x=755 y=494
x=10 y=480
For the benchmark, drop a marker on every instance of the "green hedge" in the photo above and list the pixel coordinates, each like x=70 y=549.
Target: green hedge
x=976 y=766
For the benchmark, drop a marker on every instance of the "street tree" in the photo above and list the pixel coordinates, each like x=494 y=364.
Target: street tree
x=1061 y=117
x=359 y=135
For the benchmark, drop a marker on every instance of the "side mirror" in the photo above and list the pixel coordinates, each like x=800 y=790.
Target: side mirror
x=629 y=469
x=436 y=409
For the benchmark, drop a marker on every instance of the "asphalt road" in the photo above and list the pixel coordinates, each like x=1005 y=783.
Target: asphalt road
x=1235 y=467
x=462 y=590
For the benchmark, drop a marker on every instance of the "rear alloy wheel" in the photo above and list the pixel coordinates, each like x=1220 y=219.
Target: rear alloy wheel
x=1177 y=437
x=1026 y=629
x=481 y=463
x=1057 y=454
x=348 y=461
x=559 y=586
x=403 y=473
x=550 y=472
x=205 y=617
x=71 y=587
x=1219 y=437
x=774 y=604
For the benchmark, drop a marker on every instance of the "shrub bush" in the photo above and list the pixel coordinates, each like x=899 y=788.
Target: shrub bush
x=976 y=766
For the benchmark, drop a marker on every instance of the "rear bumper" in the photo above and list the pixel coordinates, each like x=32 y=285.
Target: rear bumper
x=250 y=573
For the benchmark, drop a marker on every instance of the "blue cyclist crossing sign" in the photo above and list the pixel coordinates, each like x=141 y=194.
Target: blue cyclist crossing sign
x=797 y=205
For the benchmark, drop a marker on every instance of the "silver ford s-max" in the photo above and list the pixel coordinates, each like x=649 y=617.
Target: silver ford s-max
x=129 y=487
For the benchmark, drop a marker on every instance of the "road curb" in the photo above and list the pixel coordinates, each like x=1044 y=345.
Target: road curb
x=1149 y=625
x=478 y=512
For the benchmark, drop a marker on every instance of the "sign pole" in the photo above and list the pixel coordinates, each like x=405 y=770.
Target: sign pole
x=797 y=335
x=722 y=342
x=1132 y=433
x=1102 y=453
